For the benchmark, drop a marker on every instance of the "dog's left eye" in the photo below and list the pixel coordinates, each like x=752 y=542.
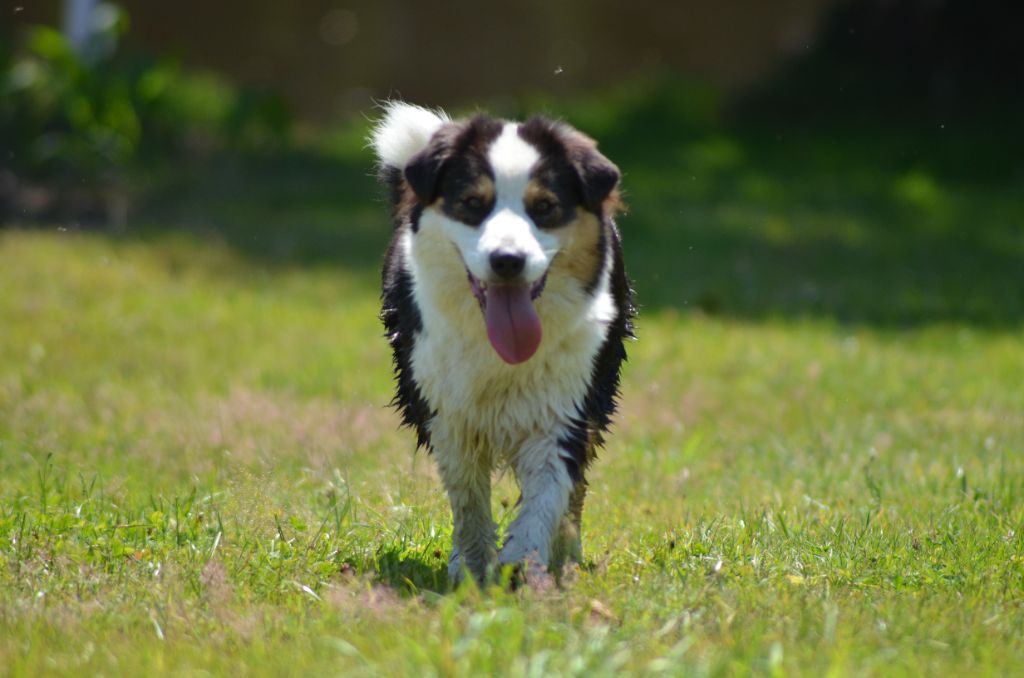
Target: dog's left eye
x=543 y=206
x=473 y=202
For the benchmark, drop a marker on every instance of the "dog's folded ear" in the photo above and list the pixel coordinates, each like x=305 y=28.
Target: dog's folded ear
x=423 y=171
x=598 y=176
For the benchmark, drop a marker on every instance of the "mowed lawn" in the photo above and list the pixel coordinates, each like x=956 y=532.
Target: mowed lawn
x=818 y=467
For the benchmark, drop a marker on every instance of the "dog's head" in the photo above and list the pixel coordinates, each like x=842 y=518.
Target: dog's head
x=511 y=198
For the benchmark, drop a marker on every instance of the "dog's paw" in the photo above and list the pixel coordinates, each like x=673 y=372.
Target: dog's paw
x=531 y=575
x=460 y=569
x=530 y=570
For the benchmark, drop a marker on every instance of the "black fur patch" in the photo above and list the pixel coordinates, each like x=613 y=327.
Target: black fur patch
x=414 y=216
x=391 y=179
x=452 y=161
x=553 y=171
x=595 y=415
x=602 y=244
x=402 y=322
x=555 y=174
x=602 y=398
x=577 y=443
x=570 y=153
x=423 y=171
x=462 y=201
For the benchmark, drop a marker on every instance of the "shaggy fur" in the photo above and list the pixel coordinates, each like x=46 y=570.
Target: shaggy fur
x=485 y=211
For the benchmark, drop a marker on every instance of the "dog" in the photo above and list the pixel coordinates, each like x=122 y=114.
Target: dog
x=506 y=304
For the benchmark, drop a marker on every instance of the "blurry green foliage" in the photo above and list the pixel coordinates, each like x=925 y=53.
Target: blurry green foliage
x=88 y=117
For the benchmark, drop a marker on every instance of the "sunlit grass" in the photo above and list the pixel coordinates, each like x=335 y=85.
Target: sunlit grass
x=198 y=472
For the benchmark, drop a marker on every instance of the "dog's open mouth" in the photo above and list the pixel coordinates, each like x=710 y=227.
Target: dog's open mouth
x=513 y=326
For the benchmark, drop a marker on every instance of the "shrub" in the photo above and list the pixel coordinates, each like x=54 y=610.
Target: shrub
x=68 y=119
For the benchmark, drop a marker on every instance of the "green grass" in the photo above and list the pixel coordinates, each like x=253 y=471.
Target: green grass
x=818 y=467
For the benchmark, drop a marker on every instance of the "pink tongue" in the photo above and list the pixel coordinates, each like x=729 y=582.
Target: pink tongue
x=512 y=324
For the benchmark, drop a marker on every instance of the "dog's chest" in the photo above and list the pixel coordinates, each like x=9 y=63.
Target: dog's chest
x=477 y=397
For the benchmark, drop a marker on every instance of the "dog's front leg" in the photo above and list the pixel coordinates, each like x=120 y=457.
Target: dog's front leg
x=545 y=485
x=473 y=532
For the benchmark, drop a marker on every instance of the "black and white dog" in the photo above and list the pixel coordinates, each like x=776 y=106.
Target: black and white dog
x=506 y=304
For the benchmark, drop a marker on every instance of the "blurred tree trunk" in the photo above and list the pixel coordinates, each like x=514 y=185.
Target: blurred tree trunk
x=78 y=23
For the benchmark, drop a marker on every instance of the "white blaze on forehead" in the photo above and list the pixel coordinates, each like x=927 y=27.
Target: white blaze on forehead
x=508 y=227
x=511 y=159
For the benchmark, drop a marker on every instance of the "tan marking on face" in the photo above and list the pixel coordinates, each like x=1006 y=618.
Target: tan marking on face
x=537 y=191
x=580 y=257
x=482 y=188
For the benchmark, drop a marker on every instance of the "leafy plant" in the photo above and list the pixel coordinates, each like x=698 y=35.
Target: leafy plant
x=88 y=118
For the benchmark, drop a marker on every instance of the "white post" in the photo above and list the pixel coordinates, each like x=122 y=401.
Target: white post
x=78 y=23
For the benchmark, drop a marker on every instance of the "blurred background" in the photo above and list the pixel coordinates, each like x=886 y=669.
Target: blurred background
x=859 y=159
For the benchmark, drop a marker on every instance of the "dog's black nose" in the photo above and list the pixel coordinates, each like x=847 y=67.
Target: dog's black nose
x=507 y=265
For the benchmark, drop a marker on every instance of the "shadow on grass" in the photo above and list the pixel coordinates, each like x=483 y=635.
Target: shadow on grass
x=412 y=572
x=860 y=223
x=295 y=208
x=890 y=221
